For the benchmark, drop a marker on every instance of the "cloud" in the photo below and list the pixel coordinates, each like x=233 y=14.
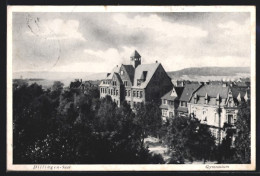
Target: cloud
x=233 y=28
x=90 y=60
x=97 y=42
x=54 y=29
x=156 y=24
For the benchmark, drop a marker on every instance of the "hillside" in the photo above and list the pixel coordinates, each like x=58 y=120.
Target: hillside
x=210 y=73
x=197 y=74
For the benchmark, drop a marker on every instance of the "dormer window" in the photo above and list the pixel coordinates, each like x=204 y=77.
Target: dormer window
x=139 y=82
x=122 y=72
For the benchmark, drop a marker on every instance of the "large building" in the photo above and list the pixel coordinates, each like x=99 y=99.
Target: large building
x=136 y=83
x=217 y=106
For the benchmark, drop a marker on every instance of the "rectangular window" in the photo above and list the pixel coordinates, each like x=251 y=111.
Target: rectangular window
x=133 y=93
x=141 y=94
x=129 y=93
x=116 y=92
x=114 y=83
x=164 y=101
x=125 y=83
x=164 y=112
x=125 y=92
x=137 y=93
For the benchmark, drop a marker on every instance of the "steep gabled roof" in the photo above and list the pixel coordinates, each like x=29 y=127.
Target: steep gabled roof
x=168 y=96
x=213 y=91
x=240 y=92
x=150 y=68
x=130 y=71
x=118 y=77
x=188 y=90
x=114 y=70
x=135 y=54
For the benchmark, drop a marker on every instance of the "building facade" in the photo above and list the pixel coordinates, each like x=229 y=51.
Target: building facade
x=217 y=106
x=185 y=97
x=170 y=103
x=136 y=83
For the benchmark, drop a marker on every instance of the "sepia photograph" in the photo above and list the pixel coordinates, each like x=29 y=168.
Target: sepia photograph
x=131 y=88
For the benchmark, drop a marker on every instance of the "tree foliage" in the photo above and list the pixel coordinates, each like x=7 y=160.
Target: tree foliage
x=243 y=138
x=74 y=127
x=189 y=140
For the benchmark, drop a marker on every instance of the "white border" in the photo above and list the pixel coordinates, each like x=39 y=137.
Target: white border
x=132 y=167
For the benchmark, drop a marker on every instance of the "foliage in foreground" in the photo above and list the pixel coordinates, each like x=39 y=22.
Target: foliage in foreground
x=65 y=127
x=189 y=140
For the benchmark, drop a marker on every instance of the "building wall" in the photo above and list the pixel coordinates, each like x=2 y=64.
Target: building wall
x=159 y=85
x=210 y=113
x=135 y=100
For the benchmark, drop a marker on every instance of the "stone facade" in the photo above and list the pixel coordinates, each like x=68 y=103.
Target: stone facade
x=136 y=83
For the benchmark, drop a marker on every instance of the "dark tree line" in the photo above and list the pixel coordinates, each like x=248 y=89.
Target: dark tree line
x=70 y=127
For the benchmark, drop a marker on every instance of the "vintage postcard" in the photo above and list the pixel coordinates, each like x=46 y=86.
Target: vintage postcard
x=131 y=88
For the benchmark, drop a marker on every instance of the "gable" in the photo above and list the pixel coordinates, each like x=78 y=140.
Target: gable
x=173 y=92
x=127 y=73
x=150 y=69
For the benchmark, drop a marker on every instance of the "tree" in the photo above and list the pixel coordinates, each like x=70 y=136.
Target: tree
x=243 y=139
x=148 y=117
x=57 y=86
x=188 y=140
x=79 y=129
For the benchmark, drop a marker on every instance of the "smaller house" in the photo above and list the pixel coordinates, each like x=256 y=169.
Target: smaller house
x=185 y=97
x=170 y=103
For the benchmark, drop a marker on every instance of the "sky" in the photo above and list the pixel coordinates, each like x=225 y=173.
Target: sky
x=97 y=42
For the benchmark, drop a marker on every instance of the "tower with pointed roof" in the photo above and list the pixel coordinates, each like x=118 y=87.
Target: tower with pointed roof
x=135 y=59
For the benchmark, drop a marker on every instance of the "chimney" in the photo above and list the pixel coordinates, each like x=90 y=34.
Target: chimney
x=156 y=61
x=195 y=98
x=206 y=98
x=218 y=99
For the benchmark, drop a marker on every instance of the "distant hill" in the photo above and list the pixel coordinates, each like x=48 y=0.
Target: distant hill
x=210 y=73
x=195 y=73
x=47 y=78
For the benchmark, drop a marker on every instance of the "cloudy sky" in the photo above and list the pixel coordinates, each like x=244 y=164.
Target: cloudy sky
x=96 y=42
